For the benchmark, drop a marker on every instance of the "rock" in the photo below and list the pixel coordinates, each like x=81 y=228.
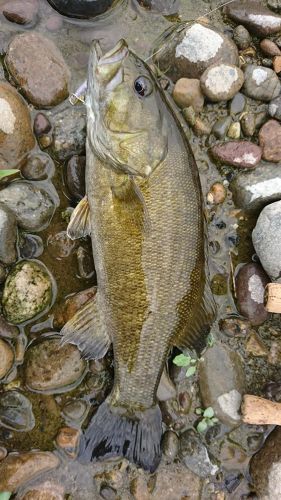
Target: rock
x=2 y=273
x=234 y=131
x=16 y=412
x=189 y=115
x=274 y=5
x=60 y=245
x=255 y=345
x=20 y=12
x=8 y=331
x=8 y=236
x=221 y=127
x=175 y=482
x=27 y=291
x=257 y=19
x=277 y=64
x=38 y=67
x=54 y=368
x=32 y=206
x=170 y=445
x=85 y=262
x=195 y=456
x=269 y=48
x=75 y=176
x=267 y=239
x=66 y=309
x=270 y=141
x=3 y=453
x=265 y=467
x=6 y=359
x=237 y=153
x=69 y=132
x=242 y=37
x=18 y=468
x=254 y=190
x=38 y=167
x=248 y=124
x=187 y=92
x=16 y=136
x=234 y=326
x=30 y=246
x=193 y=50
x=274 y=108
x=41 y=125
x=201 y=127
x=220 y=82
x=75 y=411
x=217 y=193
x=68 y=440
x=261 y=83
x=237 y=104
x=250 y=282
x=274 y=357
x=45 y=491
x=221 y=382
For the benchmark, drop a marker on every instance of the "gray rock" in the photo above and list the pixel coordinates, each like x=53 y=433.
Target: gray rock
x=75 y=412
x=258 y=19
x=32 y=206
x=8 y=236
x=6 y=358
x=265 y=468
x=242 y=37
x=38 y=167
x=220 y=82
x=274 y=108
x=267 y=239
x=248 y=124
x=170 y=445
x=261 y=83
x=195 y=456
x=16 y=412
x=274 y=5
x=254 y=190
x=221 y=381
x=221 y=127
x=237 y=104
x=69 y=132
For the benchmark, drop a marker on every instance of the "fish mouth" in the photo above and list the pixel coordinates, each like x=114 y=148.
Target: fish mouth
x=108 y=67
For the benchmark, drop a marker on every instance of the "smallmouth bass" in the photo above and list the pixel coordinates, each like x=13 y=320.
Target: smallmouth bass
x=144 y=212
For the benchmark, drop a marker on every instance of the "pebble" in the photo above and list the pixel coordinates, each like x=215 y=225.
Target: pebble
x=248 y=124
x=220 y=82
x=53 y=368
x=3 y=453
x=32 y=206
x=16 y=135
x=27 y=292
x=274 y=357
x=201 y=127
x=6 y=359
x=277 y=64
x=242 y=37
x=195 y=456
x=30 y=246
x=16 y=412
x=193 y=50
x=217 y=193
x=38 y=67
x=256 y=346
x=41 y=125
x=68 y=440
x=75 y=176
x=265 y=467
x=234 y=130
x=255 y=17
x=269 y=48
x=59 y=245
x=170 y=445
x=20 y=12
x=221 y=127
x=38 y=167
x=18 y=468
x=66 y=309
x=69 y=135
x=75 y=412
x=8 y=331
x=254 y=190
x=234 y=326
x=8 y=236
x=270 y=141
x=261 y=83
x=266 y=238
x=250 y=282
x=221 y=382
x=237 y=104
x=85 y=262
x=187 y=92
x=189 y=115
x=274 y=108
x=237 y=153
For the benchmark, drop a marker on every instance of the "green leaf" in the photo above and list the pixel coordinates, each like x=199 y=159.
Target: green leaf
x=210 y=340
x=191 y=370
x=215 y=420
x=5 y=495
x=198 y=411
x=6 y=173
x=193 y=361
x=182 y=360
x=209 y=412
x=202 y=426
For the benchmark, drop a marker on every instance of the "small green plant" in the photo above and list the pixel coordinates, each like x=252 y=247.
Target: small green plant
x=188 y=362
x=5 y=495
x=7 y=173
x=208 y=420
x=210 y=340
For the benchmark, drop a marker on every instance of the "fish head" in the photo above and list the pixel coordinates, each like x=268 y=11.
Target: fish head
x=127 y=127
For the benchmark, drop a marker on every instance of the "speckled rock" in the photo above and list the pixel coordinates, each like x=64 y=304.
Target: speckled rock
x=270 y=141
x=193 y=50
x=18 y=468
x=221 y=381
x=242 y=37
x=195 y=456
x=20 y=12
x=267 y=239
x=75 y=176
x=269 y=48
x=54 y=368
x=8 y=236
x=38 y=167
x=16 y=412
x=237 y=153
x=220 y=82
x=261 y=83
x=27 y=291
x=274 y=108
x=6 y=359
x=176 y=482
x=16 y=135
x=255 y=17
x=251 y=281
x=265 y=468
x=69 y=132
x=255 y=346
x=38 y=67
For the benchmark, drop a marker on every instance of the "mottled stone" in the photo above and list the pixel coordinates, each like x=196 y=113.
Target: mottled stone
x=265 y=468
x=187 y=92
x=38 y=167
x=6 y=360
x=277 y=64
x=41 y=124
x=20 y=12
x=261 y=83
x=170 y=445
x=8 y=236
x=250 y=282
x=220 y=82
x=270 y=141
x=274 y=108
x=255 y=17
x=217 y=193
x=274 y=357
x=269 y=48
x=16 y=412
x=68 y=308
x=248 y=124
x=237 y=153
x=68 y=440
x=69 y=132
x=221 y=127
x=255 y=346
x=233 y=326
x=242 y=37
x=195 y=456
x=75 y=176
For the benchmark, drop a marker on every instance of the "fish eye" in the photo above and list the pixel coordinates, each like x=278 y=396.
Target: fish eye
x=143 y=86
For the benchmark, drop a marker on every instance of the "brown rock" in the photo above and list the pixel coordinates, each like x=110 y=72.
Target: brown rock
x=277 y=64
x=20 y=12
x=16 y=136
x=68 y=440
x=255 y=345
x=187 y=92
x=38 y=67
x=6 y=358
x=18 y=468
x=237 y=153
x=66 y=310
x=46 y=494
x=217 y=193
x=41 y=125
x=234 y=326
x=176 y=482
x=255 y=17
x=274 y=357
x=265 y=467
x=270 y=141
x=269 y=48
x=250 y=285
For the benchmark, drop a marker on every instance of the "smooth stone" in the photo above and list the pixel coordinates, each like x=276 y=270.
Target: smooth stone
x=234 y=131
x=30 y=246
x=248 y=124
x=41 y=125
x=108 y=493
x=16 y=412
x=16 y=135
x=18 y=468
x=53 y=368
x=237 y=153
x=170 y=445
x=255 y=346
x=201 y=127
x=267 y=239
x=75 y=411
x=38 y=167
x=38 y=67
x=66 y=309
x=195 y=456
x=31 y=205
x=85 y=262
x=242 y=37
x=68 y=440
x=193 y=50
x=8 y=236
x=265 y=467
x=274 y=5
x=27 y=292
x=20 y=12
x=269 y=48
x=270 y=141
x=221 y=382
x=189 y=115
x=237 y=104
x=83 y=9
x=217 y=193
x=7 y=357
x=277 y=64
x=251 y=281
x=221 y=127
x=274 y=108
x=261 y=83
x=69 y=135
x=220 y=82
x=255 y=17
x=59 y=245
x=75 y=176
x=7 y=330
x=187 y=92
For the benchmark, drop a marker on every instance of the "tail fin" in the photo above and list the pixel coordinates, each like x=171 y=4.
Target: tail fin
x=114 y=432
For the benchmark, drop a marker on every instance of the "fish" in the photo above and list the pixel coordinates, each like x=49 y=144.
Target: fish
x=144 y=212
x=81 y=9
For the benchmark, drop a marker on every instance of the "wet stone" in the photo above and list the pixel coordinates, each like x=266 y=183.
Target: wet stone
x=41 y=125
x=237 y=104
x=8 y=331
x=38 y=67
x=221 y=127
x=195 y=456
x=75 y=411
x=85 y=263
x=251 y=281
x=248 y=124
x=237 y=153
x=274 y=108
x=242 y=37
x=234 y=131
x=69 y=133
x=20 y=12
x=265 y=467
x=108 y=493
x=220 y=82
x=267 y=239
x=38 y=167
x=269 y=48
x=75 y=176
x=187 y=92
x=52 y=368
x=255 y=346
x=66 y=310
x=261 y=83
x=217 y=193
x=270 y=141
x=60 y=246
x=257 y=19
x=170 y=445
x=27 y=291
x=30 y=246
x=16 y=412
x=274 y=5
x=6 y=359
x=8 y=236
x=68 y=441
x=234 y=326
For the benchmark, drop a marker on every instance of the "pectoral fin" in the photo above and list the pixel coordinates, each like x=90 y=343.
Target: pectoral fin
x=166 y=389
x=79 y=225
